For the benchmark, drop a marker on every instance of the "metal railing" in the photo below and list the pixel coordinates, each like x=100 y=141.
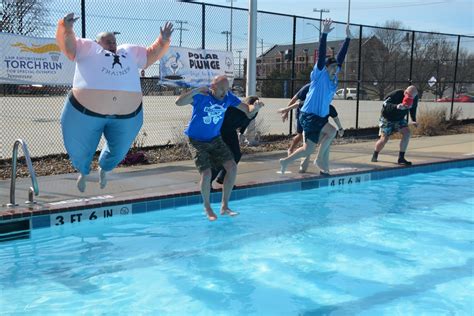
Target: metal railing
x=33 y=190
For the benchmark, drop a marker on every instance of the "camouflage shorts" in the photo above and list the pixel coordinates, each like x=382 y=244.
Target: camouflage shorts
x=387 y=127
x=211 y=154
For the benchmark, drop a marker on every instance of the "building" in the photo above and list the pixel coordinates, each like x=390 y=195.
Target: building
x=279 y=57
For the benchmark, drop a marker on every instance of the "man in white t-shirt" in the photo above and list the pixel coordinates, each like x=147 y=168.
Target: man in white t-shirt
x=106 y=96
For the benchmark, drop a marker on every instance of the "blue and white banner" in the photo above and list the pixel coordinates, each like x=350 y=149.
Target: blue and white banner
x=33 y=60
x=186 y=67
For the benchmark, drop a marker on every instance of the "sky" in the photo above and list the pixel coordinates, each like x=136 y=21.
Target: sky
x=445 y=16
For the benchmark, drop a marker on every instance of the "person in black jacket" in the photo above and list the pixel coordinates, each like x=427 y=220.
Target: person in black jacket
x=234 y=120
x=397 y=105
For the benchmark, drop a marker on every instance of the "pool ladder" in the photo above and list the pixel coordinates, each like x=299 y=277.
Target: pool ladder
x=33 y=190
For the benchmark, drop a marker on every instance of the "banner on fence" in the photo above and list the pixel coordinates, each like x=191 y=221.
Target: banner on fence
x=33 y=60
x=186 y=67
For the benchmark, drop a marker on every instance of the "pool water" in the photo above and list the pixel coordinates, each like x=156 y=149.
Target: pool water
x=401 y=246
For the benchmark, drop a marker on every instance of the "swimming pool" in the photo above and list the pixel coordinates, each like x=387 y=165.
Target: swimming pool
x=399 y=246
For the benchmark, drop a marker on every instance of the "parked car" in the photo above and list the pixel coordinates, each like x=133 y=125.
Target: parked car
x=458 y=98
x=351 y=94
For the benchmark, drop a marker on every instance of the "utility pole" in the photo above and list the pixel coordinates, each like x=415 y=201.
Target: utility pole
x=226 y=33
x=181 y=29
x=231 y=20
x=321 y=11
x=240 y=55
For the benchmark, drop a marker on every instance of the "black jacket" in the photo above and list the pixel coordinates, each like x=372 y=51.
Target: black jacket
x=235 y=119
x=390 y=111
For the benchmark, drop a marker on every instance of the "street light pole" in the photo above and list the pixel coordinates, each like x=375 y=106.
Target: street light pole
x=321 y=11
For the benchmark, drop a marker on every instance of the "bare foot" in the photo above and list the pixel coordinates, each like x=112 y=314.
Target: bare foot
x=81 y=183
x=102 y=178
x=304 y=165
x=210 y=214
x=228 y=211
x=283 y=165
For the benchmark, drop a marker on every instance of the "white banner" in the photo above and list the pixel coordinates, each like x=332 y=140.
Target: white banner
x=33 y=60
x=186 y=67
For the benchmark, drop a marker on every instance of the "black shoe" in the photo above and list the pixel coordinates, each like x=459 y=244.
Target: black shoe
x=324 y=174
x=375 y=156
x=403 y=161
x=220 y=181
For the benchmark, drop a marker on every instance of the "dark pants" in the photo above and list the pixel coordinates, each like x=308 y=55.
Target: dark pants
x=232 y=141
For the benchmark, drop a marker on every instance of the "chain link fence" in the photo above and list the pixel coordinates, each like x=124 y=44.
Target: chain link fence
x=379 y=60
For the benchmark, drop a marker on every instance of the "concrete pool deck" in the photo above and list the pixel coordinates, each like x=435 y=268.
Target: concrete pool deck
x=177 y=178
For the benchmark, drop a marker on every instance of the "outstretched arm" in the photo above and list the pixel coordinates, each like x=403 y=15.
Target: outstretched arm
x=284 y=114
x=187 y=97
x=284 y=111
x=345 y=46
x=251 y=109
x=156 y=50
x=65 y=37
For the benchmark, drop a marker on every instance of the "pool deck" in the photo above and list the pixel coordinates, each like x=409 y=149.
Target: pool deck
x=177 y=178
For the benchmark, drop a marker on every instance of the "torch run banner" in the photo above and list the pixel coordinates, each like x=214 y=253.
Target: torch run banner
x=33 y=60
x=187 y=67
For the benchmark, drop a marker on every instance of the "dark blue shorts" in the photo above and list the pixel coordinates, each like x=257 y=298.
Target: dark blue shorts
x=299 y=128
x=312 y=125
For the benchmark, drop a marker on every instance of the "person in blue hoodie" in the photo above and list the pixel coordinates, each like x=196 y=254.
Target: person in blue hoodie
x=315 y=111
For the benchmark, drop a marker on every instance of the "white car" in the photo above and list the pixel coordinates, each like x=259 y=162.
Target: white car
x=351 y=94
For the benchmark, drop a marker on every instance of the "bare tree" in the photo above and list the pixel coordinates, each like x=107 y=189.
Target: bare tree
x=430 y=58
x=384 y=58
x=25 y=17
x=465 y=75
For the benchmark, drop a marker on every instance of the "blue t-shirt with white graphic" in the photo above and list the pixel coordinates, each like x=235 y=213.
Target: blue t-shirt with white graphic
x=208 y=115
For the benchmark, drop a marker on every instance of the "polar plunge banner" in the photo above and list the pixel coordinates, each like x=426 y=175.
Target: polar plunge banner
x=186 y=67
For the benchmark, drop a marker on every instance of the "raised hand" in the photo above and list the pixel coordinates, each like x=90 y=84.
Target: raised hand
x=69 y=20
x=166 y=31
x=348 y=31
x=327 y=26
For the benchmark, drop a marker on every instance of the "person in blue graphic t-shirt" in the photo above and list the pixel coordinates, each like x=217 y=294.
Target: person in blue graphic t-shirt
x=205 y=141
x=315 y=111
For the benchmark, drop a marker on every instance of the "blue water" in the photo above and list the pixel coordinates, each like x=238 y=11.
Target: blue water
x=402 y=246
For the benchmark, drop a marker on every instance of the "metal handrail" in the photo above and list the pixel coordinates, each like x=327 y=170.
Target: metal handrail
x=33 y=190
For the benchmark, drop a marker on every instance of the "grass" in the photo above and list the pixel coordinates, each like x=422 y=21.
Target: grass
x=436 y=121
